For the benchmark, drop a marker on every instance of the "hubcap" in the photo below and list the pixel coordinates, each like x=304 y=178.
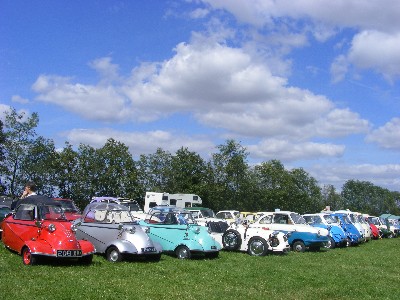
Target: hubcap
x=257 y=248
x=183 y=253
x=114 y=255
x=230 y=239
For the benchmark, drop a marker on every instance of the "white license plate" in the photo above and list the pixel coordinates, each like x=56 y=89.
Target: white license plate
x=69 y=253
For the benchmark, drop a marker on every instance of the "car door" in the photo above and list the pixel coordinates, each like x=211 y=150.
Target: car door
x=20 y=227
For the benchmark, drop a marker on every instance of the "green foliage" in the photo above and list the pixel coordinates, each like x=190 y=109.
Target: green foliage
x=370 y=271
x=365 y=197
x=20 y=137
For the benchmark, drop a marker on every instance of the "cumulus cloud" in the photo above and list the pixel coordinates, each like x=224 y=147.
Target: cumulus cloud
x=287 y=151
x=386 y=175
x=378 y=51
x=141 y=142
x=375 y=46
x=223 y=87
x=387 y=136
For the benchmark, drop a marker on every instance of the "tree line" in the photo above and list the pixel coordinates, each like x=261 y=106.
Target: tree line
x=225 y=181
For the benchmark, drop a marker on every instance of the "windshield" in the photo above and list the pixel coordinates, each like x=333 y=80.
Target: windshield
x=69 y=206
x=109 y=216
x=330 y=219
x=50 y=212
x=208 y=213
x=172 y=218
x=297 y=219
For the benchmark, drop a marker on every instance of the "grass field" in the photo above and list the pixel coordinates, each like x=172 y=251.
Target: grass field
x=369 y=271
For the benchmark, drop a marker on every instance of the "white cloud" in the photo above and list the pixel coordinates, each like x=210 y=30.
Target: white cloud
x=387 y=136
x=141 y=142
x=19 y=99
x=288 y=151
x=223 y=87
x=378 y=51
x=387 y=176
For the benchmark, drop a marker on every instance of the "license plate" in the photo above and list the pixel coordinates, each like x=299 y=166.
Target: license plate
x=69 y=253
x=149 y=249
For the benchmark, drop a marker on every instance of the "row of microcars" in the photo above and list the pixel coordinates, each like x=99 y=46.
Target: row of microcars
x=42 y=227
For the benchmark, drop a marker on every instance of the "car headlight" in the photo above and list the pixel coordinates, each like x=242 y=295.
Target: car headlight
x=274 y=241
x=74 y=227
x=196 y=229
x=51 y=227
x=132 y=230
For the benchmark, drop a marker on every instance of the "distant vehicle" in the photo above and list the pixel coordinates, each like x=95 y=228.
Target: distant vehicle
x=354 y=236
x=228 y=215
x=105 y=199
x=337 y=236
x=206 y=217
x=165 y=199
x=71 y=211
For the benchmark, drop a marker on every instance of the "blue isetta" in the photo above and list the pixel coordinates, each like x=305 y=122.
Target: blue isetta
x=178 y=233
x=337 y=236
x=353 y=235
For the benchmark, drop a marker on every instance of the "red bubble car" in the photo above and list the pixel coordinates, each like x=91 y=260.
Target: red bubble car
x=38 y=229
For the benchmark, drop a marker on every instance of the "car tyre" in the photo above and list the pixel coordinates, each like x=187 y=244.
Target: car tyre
x=348 y=242
x=331 y=244
x=299 y=246
x=231 y=240
x=28 y=258
x=113 y=254
x=257 y=247
x=183 y=252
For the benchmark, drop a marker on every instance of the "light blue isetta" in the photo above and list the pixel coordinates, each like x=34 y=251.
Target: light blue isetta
x=178 y=233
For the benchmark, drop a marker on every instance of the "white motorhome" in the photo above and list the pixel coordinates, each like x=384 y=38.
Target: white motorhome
x=165 y=199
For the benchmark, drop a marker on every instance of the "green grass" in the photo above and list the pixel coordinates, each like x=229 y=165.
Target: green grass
x=370 y=271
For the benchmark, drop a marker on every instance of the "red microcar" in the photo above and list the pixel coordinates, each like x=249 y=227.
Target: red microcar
x=38 y=228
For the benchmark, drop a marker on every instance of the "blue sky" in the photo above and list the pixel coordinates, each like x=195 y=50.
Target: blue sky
x=314 y=84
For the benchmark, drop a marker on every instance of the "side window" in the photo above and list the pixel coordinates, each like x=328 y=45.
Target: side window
x=188 y=204
x=265 y=220
x=25 y=212
x=280 y=219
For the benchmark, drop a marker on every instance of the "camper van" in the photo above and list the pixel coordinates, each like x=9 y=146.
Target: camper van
x=166 y=199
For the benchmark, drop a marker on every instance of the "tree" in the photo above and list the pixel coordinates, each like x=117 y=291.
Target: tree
x=118 y=175
x=305 y=192
x=230 y=184
x=67 y=168
x=20 y=135
x=154 y=171
x=40 y=165
x=331 y=198
x=2 y=156
x=274 y=183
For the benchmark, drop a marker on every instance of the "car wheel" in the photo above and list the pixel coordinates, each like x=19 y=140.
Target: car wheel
x=348 y=242
x=113 y=254
x=299 y=246
x=257 y=247
x=86 y=260
x=231 y=240
x=28 y=258
x=331 y=244
x=183 y=252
